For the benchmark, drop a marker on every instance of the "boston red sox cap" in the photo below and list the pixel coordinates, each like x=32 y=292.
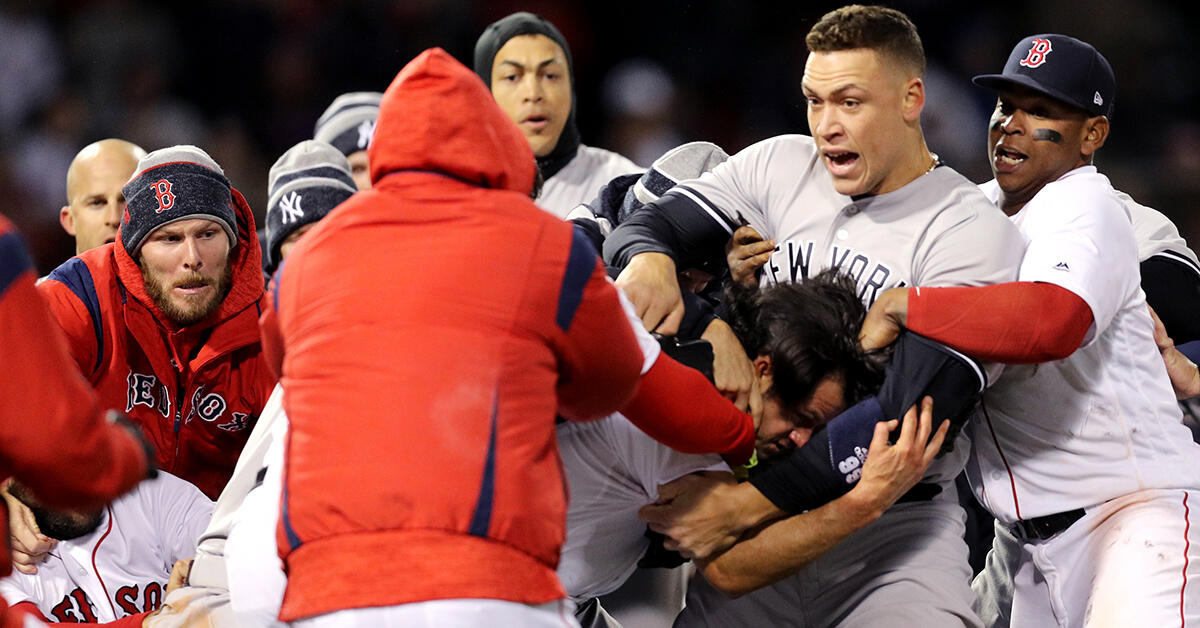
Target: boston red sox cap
x=1060 y=67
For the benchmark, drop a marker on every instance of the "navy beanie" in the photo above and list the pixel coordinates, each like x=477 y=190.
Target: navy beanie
x=305 y=184
x=175 y=183
x=349 y=122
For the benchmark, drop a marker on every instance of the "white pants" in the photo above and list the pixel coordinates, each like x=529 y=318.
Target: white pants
x=1127 y=562
x=450 y=614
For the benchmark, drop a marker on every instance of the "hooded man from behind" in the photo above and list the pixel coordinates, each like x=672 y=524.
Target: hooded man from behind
x=494 y=317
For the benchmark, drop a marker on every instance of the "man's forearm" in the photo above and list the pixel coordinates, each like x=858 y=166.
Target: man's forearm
x=782 y=548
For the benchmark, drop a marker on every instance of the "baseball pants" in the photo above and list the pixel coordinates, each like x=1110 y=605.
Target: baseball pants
x=907 y=568
x=1127 y=562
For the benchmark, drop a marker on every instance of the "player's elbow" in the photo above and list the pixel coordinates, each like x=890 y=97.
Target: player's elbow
x=730 y=582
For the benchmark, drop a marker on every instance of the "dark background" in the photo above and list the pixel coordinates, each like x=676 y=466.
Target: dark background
x=246 y=80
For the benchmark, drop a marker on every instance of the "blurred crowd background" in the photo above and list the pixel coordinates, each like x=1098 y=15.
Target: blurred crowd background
x=247 y=79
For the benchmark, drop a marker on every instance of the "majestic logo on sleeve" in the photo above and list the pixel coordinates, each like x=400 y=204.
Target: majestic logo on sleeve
x=872 y=277
x=162 y=192
x=290 y=206
x=1037 y=53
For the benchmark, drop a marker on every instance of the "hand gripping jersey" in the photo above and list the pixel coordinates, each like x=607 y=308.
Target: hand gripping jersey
x=1103 y=422
x=938 y=230
x=194 y=391
x=121 y=568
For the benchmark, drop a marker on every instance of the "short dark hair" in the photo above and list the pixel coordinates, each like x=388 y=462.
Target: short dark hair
x=810 y=331
x=886 y=31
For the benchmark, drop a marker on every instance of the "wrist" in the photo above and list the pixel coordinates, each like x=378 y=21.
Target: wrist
x=753 y=508
x=862 y=504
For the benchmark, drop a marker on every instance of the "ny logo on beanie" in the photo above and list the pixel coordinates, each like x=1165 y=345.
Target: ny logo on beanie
x=290 y=208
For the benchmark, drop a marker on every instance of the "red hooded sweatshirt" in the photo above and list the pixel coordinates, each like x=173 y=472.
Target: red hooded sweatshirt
x=52 y=435
x=196 y=391
x=428 y=331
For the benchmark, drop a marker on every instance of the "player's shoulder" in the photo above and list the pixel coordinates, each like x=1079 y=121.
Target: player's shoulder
x=596 y=158
x=952 y=196
x=1082 y=191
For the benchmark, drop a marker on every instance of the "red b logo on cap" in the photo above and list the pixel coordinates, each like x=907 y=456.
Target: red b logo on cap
x=1037 y=53
x=162 y=191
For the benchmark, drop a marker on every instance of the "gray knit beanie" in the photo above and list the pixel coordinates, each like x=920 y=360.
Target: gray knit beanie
x=349 y=122
x=172 y=184
x=305 y=184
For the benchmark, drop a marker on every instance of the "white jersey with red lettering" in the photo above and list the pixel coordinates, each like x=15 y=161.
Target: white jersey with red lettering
x=1094 y=438
x=122 y=567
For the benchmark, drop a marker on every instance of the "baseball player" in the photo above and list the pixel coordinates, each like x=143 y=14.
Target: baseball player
x=1082 y=460
x=349 y=124
x=613 y=468
x=164 y=322
x=95 y=201
x=526 y=62
x=37 y=381
x=865 y=195
x=111 y=563
x=307 y=182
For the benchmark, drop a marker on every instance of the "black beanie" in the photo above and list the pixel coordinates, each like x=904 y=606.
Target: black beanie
x=493 y=39
x=172 y=184
x=305 y=184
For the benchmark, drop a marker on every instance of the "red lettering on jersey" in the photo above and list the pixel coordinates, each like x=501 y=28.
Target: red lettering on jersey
x=152 y=597
x=126 y=598
x=1037 y=53
x=162 y=191
x=74 y=609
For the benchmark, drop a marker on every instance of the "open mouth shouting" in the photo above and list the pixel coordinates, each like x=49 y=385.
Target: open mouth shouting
x=1007 y=160
x=840 y=162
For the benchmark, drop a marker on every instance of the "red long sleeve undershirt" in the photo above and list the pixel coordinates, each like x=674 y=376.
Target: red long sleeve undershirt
x=129 y=621
x=1020 y=322
x=676 y=406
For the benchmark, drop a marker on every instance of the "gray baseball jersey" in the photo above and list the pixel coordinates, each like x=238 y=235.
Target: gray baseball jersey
x=581 y=179
x=938 y=230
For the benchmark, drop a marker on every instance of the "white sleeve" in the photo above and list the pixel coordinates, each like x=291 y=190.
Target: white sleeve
x=1082 y=240
x=254 y=570
x=179 y=511
x=654 y=463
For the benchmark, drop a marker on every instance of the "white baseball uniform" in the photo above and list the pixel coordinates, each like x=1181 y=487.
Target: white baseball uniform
x=581 y=179
x=1098 y=431
x=936 y=230
x=122 y=567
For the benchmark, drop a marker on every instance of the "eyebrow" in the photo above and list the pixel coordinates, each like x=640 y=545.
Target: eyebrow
x=841 y=89
x=522 y=65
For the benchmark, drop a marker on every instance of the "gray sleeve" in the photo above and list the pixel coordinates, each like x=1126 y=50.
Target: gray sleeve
x=737 y=191
x=969 y=249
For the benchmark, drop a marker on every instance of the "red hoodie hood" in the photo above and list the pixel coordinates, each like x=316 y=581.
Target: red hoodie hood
x=246 y=258
x=438 y=116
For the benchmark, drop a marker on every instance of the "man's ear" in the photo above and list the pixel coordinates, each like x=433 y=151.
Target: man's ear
x=66 y=220
x=913 y=100
x=762 y=366
x=1095 y=132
